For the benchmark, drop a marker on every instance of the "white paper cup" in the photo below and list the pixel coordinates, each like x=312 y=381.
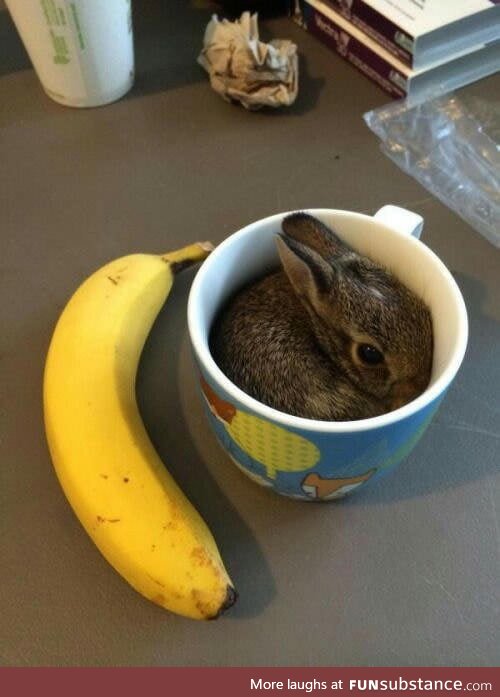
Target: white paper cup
x=82 y=50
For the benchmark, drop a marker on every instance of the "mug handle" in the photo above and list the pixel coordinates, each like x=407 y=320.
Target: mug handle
x=401 y=220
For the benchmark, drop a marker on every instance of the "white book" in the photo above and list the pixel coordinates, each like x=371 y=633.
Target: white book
x=422 y=32
x=394 y=76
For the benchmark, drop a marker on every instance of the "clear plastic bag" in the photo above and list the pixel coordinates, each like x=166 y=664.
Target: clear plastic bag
x=451 y=146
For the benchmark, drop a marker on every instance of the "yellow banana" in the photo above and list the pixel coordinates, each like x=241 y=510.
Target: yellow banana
x=107 y=466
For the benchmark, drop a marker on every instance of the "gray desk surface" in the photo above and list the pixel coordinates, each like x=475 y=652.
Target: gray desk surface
x=405 y=572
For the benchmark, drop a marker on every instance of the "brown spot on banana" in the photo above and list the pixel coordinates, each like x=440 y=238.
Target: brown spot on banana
x=200 y=556
x=159 y=599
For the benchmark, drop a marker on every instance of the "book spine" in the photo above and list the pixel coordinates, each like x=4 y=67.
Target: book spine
x=351 y=49
x=378 y=27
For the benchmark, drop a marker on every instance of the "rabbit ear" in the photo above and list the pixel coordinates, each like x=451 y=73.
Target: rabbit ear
x=310 y=275
x=310 y=231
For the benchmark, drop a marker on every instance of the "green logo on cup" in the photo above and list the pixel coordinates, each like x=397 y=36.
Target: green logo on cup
x=62 y=56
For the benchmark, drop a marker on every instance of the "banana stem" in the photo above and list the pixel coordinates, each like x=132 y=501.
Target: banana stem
x=182 y=258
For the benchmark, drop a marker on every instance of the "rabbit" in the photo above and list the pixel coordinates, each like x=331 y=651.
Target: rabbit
x=330 y=336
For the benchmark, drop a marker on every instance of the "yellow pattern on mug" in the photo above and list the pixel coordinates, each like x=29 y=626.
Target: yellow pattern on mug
x=276 y=448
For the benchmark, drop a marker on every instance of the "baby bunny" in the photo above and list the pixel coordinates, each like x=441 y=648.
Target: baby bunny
x=330 y=336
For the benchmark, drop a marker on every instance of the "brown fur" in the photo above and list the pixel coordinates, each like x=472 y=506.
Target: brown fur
x=289 y=339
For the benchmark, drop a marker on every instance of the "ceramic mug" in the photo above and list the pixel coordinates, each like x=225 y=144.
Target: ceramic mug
x=304 y=458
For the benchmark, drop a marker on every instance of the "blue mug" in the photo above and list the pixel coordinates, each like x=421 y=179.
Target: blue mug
x=322 y=460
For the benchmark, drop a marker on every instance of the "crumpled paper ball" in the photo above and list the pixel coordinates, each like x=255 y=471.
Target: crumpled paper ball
x=244 y=69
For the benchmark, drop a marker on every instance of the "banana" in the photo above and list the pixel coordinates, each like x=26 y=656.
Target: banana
x=107 y=466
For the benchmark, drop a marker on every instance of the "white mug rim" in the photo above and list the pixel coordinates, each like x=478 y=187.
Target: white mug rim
x=202 y=351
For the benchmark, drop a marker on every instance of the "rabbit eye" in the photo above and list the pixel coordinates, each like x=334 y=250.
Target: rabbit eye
x=370 y=355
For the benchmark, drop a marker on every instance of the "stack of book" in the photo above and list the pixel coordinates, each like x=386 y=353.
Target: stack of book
x=409 y=47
